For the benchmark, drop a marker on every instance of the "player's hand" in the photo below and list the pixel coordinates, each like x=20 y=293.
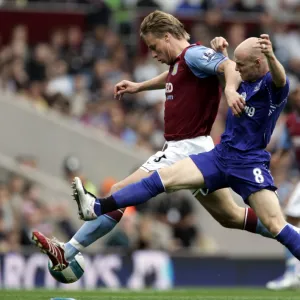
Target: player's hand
x=265 y=45
x=219 y=44
x=125 y=86
x=235 y=101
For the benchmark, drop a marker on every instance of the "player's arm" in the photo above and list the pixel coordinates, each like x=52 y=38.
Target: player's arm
x=205 y=62
x=232 y=78
x=126 y=86
x=155 y=83
x=219 y=44
x=232 y=82
x=276 y=69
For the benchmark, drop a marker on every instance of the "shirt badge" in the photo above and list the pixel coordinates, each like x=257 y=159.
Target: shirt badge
x=175 y=69
x=257 y=87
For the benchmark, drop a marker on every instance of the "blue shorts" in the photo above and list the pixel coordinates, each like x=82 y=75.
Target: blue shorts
x=244 y=176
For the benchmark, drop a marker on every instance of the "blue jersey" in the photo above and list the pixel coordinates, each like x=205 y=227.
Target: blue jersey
x=249 y=135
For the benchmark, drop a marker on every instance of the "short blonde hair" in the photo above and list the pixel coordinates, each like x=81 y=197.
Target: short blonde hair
x=159 y=23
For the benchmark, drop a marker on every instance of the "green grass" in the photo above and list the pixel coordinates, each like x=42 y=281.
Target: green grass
x=179 y=294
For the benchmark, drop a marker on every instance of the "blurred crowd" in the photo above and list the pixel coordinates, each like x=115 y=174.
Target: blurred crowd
x=74 y=72
x=179 y=6
x=167 y=223
x=25 y=207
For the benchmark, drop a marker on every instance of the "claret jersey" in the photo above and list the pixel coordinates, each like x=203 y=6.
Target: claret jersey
x=193 y=93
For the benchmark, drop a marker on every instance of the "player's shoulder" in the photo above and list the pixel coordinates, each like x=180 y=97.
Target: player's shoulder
x=198 y=51
x=267 y=78
x=196 y=47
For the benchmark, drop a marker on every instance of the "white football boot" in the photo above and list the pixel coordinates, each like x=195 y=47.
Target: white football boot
x=85 y=201
x=289 y=280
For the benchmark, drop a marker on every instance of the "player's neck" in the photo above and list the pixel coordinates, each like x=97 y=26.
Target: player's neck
x=259 y=76
x=179 y=46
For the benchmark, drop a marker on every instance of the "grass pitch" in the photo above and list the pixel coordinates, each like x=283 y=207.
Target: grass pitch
x=176 y=294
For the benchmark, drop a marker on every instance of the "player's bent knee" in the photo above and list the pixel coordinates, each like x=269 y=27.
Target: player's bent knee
x=166 y=177
x=274 y=224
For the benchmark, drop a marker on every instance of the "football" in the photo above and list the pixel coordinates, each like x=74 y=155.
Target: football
x=71 y=273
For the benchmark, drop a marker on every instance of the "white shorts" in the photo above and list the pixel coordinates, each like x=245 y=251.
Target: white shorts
x=292 y=208
x=174 y=151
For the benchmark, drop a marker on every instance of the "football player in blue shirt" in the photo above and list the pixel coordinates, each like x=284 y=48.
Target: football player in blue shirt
x=240 y=161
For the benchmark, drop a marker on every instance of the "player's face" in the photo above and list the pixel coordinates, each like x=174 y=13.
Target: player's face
x=248 y=68
x=159 y=48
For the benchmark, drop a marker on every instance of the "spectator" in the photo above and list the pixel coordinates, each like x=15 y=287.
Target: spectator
x=80 y=96
x=99 y=14
x=73 y=53
x=148 y=4
x=177 y=211
x=58 y=42
x=188 y=7
x=72 y=168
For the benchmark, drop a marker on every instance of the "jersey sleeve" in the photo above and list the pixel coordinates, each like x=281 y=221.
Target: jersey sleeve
x=203 y=61
x=279 y=95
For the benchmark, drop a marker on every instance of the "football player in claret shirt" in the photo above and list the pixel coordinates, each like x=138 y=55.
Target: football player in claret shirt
x=240 y=161
x=192 y=99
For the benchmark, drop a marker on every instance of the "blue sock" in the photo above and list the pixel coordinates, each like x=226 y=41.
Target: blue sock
x=291 y=239
x=131 y=195
x=88 y=233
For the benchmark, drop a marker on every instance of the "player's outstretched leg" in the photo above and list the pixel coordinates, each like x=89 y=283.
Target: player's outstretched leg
x=141 y=192
x=266 y=206
x=97 y=228
x=89 y=207
x=51 y=247
x=91 y=231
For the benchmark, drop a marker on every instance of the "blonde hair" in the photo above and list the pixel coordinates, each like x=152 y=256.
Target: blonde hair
x=159 y=23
